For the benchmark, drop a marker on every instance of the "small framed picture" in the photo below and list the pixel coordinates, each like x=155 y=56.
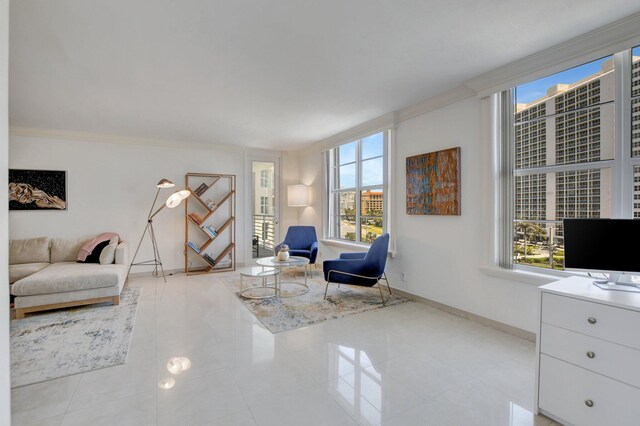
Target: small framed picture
x=37 y=189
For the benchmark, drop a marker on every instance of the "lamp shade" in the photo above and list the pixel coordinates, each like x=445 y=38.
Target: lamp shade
x=298 y=195
x=165 y=183
x=176 y=198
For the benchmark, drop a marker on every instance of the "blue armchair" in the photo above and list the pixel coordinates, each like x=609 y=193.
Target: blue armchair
x=302 y=241
x=363 y=269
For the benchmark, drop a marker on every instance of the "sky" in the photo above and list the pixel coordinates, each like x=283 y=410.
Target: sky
x=372 y=146
x=533 y=90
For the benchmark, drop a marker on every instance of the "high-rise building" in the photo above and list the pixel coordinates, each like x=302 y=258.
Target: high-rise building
x=560 y=128
x=635 y=133
x=567 y=127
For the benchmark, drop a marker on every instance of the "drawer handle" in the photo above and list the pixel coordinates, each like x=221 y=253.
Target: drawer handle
x=591 y=354
x=588 y=403
x=591 y=320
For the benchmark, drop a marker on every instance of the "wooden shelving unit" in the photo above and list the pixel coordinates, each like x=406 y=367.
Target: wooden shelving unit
x=215 y=204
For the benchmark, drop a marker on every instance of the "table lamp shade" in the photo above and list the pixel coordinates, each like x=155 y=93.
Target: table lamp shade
x=298 y=195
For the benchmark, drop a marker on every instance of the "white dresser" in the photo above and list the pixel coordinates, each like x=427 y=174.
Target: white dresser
x=589 y=354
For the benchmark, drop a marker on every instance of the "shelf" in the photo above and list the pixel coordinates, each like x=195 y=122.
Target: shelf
x=224 y=253
x=197 y=197
x=221 y=202
x=194 y=250
x=217 y=178
x=194 y=222
x=217 y=260
x=210 y=239
x=226 y=225
x=225 y=184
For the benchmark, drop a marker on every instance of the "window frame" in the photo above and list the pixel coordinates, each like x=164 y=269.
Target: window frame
x=621 y=166
x=331 y=170
x=264 y=205
x=264 y=178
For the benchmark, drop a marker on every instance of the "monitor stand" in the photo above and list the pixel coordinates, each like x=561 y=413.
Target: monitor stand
x=614 y=283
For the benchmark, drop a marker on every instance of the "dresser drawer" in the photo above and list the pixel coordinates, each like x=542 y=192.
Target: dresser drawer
x=609 y=359
x=566 y=391
x=594 y=319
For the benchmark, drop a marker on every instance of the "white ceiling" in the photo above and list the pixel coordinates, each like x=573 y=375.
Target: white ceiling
x=275 y=74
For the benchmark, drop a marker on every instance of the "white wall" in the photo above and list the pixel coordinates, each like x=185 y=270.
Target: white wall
x=110 y=187
x=441 y=254
x=5 y=383
x=290 y=176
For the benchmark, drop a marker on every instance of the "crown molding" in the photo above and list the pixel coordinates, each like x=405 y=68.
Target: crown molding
x=367 y=128
x=619 y=35
x=391 y=120
x=449 y=97
x=117 y=139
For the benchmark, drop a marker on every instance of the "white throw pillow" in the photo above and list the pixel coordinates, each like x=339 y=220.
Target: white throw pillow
x=108 y=255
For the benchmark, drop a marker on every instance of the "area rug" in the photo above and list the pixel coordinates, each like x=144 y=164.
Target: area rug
x=288 y=313
x=71 y=341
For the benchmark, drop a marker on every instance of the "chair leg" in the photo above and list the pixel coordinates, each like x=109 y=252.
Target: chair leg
x=387 y=281
x=327 y=288
x=381 y=296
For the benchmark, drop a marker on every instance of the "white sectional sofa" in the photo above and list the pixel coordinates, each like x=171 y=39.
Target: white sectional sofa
x=44 y=274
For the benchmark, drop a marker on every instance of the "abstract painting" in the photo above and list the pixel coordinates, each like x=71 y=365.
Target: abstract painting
x=37 y=190
x=433 y=183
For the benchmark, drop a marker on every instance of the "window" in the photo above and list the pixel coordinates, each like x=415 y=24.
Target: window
x=264 y=205
x=357 y=186
x=566 y=155
x=264 y=178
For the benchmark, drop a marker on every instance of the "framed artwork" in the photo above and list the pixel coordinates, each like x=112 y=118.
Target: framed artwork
x=37 y=189
x=433 y=183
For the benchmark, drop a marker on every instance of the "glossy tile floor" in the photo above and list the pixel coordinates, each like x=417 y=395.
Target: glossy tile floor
x=402 y=365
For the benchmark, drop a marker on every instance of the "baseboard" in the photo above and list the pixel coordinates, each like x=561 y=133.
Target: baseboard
x=500 y=326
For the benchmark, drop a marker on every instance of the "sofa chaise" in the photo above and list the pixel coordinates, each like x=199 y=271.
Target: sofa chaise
x=44 y=275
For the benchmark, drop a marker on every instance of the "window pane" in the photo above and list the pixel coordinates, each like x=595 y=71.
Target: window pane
x=347 y=176
x=579 y=87
x=347 y=215
x=372 y=210
x=554 y=196
x=347 y=153
x=635 y=127
x=635 y=72
x=372 y=146
x=372 y=171
x=576 y=137
x=538 y=244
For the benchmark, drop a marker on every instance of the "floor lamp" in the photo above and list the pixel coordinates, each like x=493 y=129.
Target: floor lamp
x=173 y=201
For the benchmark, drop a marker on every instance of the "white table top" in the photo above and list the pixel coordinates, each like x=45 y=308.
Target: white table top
x=273 y=262
x=583 y=288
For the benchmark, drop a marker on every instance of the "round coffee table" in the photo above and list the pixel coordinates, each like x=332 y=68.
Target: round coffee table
x=293 y=261
x=259 y=272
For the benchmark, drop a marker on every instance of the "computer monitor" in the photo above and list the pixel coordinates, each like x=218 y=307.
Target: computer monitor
x=600 y=245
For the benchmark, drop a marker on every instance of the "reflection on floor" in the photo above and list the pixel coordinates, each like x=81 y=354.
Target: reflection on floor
x=199 y=357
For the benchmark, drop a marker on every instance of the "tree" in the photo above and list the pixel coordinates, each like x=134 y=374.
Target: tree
x=370 y=237
x=528 y=229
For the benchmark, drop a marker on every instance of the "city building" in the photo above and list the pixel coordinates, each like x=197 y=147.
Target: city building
x=372 y=201
x=572 y=123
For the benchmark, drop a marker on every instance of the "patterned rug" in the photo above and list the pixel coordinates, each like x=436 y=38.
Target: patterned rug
x=288 y=313
x=71 y=341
